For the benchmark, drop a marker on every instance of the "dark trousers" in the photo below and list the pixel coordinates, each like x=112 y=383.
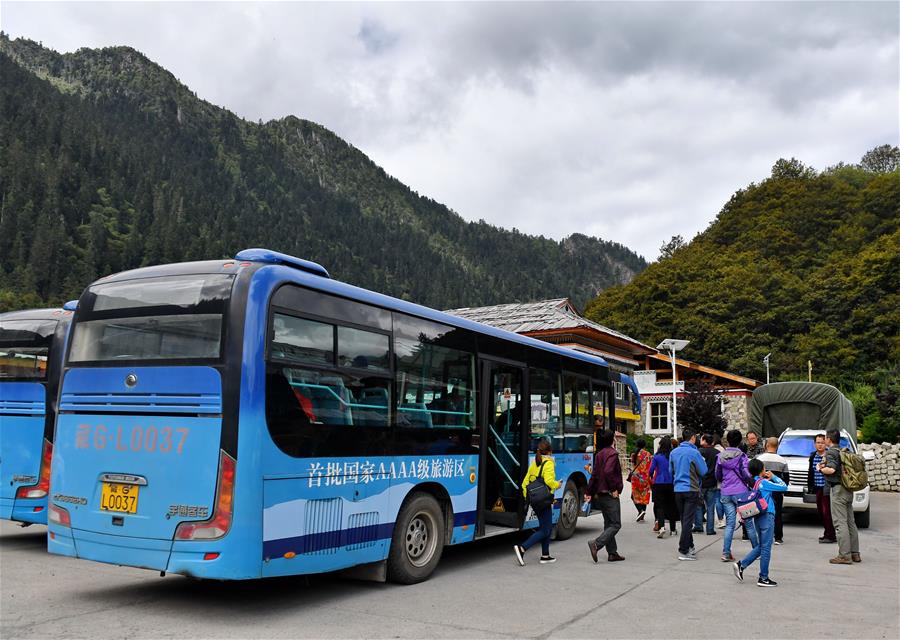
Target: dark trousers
x=779 y=502
x=542 y=533
x=687 y=502
x=823 y=506
x=612 y=521
x=664 y=506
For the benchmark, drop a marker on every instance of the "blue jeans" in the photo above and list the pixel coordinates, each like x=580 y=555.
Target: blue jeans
x=730 y=503
x=765 y=522
x=711 y=500
x=542 y=533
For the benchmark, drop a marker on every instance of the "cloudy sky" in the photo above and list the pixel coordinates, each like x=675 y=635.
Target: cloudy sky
x=628 y=121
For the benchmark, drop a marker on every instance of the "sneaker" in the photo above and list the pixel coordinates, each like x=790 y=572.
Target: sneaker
x=547 y=560
x=640 y=516
x=856 y=557
x=779 y=542
x=520 y=555
x=824 y=540
x=686 y=557
x=692 y=551
x=727 y=557
x=721 y=524
x=615 y=557
x=673 y=532
x=712 y=533
x=655 y=527
x=592 y=545
x=697 y=530
x=840 y=560
x=738 y=571
x=765 y=582
x=661 y=534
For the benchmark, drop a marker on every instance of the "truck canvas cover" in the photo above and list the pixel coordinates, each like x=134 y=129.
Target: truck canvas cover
x=800 y=405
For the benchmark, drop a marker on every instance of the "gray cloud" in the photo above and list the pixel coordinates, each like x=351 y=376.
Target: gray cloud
x=631 y=121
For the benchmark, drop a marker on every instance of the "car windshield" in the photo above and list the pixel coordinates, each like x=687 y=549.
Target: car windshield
x=802 y=445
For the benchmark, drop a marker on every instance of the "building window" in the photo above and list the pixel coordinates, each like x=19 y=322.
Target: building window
x=659 y=416
x=620 y=390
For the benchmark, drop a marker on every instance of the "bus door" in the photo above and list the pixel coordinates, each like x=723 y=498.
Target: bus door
x=503 y=455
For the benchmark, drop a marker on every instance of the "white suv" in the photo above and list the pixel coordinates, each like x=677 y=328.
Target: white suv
x=795 y=445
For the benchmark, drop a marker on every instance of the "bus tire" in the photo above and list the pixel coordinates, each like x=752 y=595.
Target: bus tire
x=418 y=540
x=568 y=511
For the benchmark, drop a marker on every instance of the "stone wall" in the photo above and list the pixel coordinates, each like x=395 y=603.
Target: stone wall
x=884 y=470
x=737 y=412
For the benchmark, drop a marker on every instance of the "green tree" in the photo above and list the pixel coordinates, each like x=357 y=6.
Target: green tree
x=882 y=159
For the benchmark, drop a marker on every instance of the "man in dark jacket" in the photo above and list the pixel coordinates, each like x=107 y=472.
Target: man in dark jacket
x=815 y=485
x=604 y=488
x=841 y=502
x=754 y=446
x=709 y=490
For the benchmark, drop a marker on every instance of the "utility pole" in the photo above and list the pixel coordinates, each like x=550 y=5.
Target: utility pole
x=766 y=360
x=809 y=365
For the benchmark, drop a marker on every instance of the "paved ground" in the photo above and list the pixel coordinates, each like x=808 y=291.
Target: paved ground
x=478 y=591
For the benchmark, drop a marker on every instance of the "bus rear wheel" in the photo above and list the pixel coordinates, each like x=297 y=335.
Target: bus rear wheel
x=418 y=540
x=568 y=511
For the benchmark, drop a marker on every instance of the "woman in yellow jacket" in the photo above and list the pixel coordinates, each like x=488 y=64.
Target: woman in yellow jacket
x=543 y=466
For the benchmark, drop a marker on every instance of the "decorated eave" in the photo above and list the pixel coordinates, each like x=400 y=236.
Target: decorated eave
x=748 y=383
x=551 y=318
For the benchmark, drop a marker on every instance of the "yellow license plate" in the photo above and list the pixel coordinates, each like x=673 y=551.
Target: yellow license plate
x=119 y=497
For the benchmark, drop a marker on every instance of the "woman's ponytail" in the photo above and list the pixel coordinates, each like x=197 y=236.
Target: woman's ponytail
x=542 y=450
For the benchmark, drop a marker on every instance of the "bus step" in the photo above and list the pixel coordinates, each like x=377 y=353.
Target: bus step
x=491 y=530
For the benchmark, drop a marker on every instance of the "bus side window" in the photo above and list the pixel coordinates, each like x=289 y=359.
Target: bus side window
x=435 y=378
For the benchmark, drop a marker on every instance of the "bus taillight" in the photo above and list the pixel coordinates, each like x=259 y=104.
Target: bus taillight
x=60 y=516
x=42 y=488
x=218 y=525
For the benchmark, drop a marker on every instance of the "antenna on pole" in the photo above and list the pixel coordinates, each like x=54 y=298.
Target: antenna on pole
x=766 y=361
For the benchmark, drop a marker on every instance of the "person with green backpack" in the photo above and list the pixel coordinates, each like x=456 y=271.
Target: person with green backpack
x=842 y=478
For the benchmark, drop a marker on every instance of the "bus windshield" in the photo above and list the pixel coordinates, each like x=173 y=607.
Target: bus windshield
x=24 y=348
x=169 y=318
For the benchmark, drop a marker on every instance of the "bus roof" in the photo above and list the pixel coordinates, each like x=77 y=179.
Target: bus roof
x=288 y=273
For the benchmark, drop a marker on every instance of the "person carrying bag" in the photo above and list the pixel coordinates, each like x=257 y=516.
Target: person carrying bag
x=538 y=486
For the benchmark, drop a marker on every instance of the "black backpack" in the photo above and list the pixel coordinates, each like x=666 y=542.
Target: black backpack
x=539 y=495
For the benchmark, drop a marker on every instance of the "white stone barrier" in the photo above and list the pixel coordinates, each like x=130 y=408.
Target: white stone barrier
x=884 y=470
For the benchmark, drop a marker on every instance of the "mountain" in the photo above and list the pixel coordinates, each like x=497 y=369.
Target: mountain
x=805 y=265
x=108 y=162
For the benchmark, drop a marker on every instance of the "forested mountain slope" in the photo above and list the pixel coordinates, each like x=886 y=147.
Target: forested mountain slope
x=107 y=162
x=804 y=265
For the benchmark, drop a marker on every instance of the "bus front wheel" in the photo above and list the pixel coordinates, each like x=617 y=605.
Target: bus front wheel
x=418 y=540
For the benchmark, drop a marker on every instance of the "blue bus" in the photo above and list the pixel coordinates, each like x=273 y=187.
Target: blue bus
x=32 y=345
x=247 y=418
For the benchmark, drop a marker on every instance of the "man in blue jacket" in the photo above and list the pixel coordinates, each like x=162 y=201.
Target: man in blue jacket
x=688 y=467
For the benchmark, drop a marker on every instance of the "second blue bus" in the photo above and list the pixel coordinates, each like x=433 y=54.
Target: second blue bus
x=32 y=345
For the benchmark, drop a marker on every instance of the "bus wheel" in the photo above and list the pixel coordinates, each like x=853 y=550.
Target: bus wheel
x=568 y=512
x=418 y=540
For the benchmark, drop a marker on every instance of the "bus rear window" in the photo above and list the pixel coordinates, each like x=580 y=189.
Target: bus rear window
x=24 y=348
x=173 y=318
